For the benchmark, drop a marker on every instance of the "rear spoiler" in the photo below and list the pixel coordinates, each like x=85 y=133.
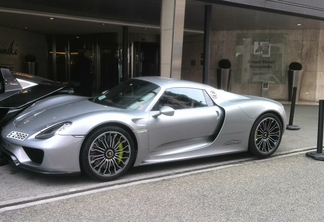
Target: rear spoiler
x=8 y=82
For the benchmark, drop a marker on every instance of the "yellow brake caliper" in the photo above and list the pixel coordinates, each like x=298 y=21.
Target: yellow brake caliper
x=121 y=151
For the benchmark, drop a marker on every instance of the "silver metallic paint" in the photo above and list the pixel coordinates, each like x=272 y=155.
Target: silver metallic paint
x=188 y=133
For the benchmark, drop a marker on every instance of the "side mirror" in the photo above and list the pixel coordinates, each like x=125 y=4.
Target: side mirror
x=165 y=110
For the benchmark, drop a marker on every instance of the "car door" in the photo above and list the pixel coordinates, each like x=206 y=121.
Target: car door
x=195 y=121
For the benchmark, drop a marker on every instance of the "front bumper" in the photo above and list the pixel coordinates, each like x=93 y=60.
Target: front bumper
x=60 y=154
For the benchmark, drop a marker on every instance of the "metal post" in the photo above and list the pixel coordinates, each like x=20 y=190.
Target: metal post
x=318 y=155
x=290 y=126
x=320 y=128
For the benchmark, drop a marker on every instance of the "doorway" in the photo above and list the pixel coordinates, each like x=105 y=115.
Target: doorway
x=146 y=59
x=64 y=52
x=107 y=58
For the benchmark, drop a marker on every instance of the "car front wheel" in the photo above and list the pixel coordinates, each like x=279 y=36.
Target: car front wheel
x=107 y=153
x=265 y=135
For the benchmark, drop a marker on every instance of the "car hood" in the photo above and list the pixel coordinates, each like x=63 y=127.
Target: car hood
x=35 y=118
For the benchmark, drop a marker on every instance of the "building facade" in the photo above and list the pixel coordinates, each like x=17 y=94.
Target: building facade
x=174 y=38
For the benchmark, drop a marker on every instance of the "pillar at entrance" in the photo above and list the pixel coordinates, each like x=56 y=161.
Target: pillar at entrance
x=172 y=28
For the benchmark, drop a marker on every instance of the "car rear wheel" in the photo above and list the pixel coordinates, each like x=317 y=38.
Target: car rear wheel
x=265 y=135
x=107 y=153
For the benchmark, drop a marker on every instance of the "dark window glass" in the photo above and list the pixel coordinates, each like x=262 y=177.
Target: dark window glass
x=182 y=98
x=133 y=94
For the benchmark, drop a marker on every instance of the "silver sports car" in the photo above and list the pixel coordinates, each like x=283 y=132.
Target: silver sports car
x=144 y=120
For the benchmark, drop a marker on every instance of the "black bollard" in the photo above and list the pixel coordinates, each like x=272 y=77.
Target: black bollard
x=318 y=155
x=291 y=126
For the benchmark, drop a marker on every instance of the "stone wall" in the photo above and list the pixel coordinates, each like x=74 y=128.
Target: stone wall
x=303 y=46
x=192 y=66
x=16 y=44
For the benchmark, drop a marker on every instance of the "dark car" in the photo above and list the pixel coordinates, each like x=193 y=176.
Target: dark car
x=20 y=90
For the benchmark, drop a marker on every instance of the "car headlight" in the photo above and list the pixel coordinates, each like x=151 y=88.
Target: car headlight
x=53 y=130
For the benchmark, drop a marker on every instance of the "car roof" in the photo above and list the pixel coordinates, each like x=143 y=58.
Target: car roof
x=165 y=82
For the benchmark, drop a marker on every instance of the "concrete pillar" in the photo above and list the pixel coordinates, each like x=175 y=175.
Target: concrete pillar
x=207 y=43
x=172 y=28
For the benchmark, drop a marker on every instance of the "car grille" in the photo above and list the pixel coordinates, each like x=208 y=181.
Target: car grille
x=34 y=155
x=17 y=135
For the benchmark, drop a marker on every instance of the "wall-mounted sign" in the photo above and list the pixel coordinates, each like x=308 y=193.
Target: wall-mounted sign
x=261 y=64
x=262 y=48
x=260 y=58
x=9 y=50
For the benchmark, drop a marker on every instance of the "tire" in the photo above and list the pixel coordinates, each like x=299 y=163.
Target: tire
x=265 y=136
x=107 y=153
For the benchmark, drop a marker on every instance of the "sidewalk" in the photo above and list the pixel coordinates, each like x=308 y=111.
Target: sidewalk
x=306 y=117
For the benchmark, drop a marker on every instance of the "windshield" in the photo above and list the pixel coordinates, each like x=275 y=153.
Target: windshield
x=133 y=94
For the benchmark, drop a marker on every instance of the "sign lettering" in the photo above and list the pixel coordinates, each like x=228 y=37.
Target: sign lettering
x=10 y=50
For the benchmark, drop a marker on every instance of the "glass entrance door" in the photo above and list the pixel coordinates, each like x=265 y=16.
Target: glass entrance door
x=63 y=53
x=146 y=59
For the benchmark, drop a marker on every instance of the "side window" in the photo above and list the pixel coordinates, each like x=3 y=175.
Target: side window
x=182 y=98
x=209 y=101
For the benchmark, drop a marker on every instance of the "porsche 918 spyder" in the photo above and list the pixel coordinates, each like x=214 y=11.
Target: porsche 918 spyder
x=145 y=120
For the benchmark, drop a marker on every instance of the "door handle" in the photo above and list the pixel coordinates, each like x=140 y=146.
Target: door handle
x=217 y=113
